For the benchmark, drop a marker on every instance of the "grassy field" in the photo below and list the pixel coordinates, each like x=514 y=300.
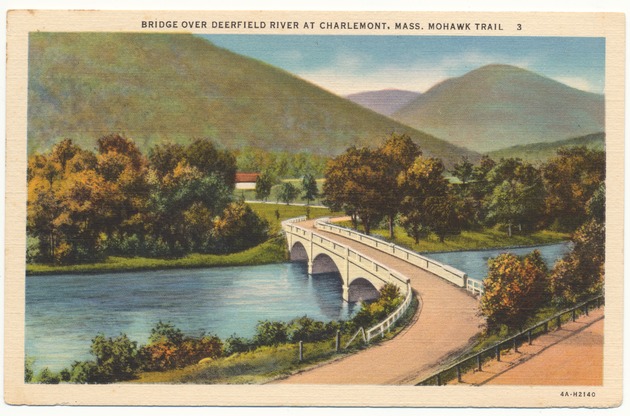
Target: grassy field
x=250 y=194
x=486 y=238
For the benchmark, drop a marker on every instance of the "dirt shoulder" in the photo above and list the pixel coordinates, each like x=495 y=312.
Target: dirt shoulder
x=572 y=355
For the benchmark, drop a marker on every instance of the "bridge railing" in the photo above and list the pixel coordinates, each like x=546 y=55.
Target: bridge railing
x=382 y=327
x=494 y=352
x=474 y=286
x=372 y=266
x=444 y=271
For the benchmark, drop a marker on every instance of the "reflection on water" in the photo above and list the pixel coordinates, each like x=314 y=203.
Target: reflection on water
x=64 y=312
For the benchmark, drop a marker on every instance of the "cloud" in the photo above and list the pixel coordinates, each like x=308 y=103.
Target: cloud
x=579 y=83
x=351 y=72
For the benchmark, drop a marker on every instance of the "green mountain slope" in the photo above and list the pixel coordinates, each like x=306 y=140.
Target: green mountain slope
x=537 y=153
x=498 y=106
x=158 y=87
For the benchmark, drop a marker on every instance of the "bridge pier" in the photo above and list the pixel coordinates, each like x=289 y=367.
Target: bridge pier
x=310 y=267
x=345 y=295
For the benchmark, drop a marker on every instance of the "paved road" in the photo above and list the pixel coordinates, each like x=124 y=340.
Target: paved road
x=445 y=325
x=570 y=356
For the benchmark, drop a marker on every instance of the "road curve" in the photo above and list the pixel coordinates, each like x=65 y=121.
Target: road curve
x=444 y=325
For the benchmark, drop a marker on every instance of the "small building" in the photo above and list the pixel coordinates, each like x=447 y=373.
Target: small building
x=246 y=181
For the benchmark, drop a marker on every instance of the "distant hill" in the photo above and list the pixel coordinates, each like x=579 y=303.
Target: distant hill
x=174 y=87
x=498 y=106
x=537 y=153
x=385 y=102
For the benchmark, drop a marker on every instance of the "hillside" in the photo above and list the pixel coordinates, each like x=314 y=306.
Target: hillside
x=385 y=102
x=158 y=87
x=499 y=106
x=537 y=153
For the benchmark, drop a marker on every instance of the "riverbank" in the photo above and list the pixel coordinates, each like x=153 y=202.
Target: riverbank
x=272 y=251
x=470 y=240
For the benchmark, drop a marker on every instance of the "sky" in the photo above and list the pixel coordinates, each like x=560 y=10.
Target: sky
x=349 y=64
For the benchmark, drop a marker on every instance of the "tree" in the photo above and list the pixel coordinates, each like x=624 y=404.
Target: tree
x=517 y=196
x=264 y=183
x=271 y=333
x=400 y=152
x=288 y=192
x=444 y=215
x=463 y=170
x=357 y=182
x=204 y=155
x=571 y=179
x=239 y=228
x=514 y=290
x=309 y=187
x=580 y=274
x=424 y=189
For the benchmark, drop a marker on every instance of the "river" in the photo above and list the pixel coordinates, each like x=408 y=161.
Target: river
x=64 y=312
x=475 y=263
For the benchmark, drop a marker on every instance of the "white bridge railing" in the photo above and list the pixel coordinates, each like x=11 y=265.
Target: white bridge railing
x=444 y=271
x=377 y=269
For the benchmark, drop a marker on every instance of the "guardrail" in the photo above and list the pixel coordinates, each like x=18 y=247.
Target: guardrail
x=476 y=361
x=444 y=271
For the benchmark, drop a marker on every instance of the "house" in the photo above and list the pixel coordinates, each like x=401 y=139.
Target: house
x=246 y=180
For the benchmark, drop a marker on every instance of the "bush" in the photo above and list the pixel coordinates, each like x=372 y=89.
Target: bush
x=374 y=312
x=271 y=333
x=235 y=344
x=116 y=358
x=47 y=377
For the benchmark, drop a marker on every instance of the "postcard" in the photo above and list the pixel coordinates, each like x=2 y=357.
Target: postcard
x=346 y=209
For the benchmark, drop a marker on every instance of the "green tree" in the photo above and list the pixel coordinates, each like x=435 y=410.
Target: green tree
x=288 y=192
x=514 y=290
x=203 y=155
x=309 y=188
x=463 y=170
x=271 y=333
x=264 y=183
x=47 y=377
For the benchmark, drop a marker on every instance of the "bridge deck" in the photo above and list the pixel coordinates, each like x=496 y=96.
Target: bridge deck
x=443 y=327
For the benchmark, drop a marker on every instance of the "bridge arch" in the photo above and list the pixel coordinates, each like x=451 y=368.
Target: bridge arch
x=323 y=263
x=298 y=252
x=361 y=289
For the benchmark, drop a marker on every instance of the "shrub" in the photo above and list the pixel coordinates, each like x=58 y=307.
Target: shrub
x=116 y=358
x=271 y=333
x=47 y=377
x=235 y=344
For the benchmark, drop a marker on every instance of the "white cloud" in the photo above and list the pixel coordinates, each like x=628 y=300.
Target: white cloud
x=352 y=72
x=579 y=83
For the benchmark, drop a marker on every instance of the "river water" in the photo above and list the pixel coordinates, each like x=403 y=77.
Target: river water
x=64 y=312
x=475 y=263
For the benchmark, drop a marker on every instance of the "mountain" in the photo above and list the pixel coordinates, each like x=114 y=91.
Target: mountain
x=175 y=87
x=385 y=102
x=537 y=153
x=499 y=106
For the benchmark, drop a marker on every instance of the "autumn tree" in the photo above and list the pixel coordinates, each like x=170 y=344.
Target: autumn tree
x=515 y=288
x=399 y=152
x=571 y=179
x=425 y=193
x=238 y=228
x=580 y=273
